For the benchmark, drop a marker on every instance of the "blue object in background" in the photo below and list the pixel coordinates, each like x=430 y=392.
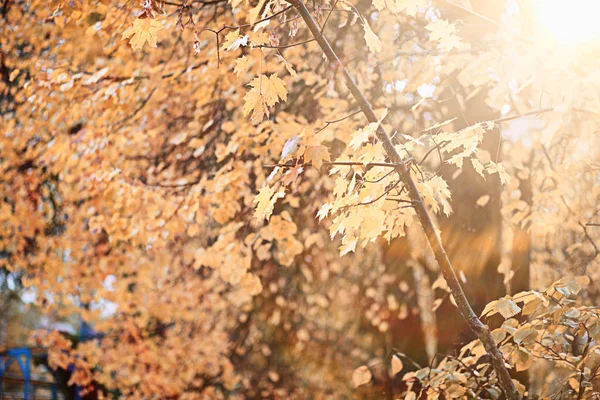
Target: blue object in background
x=22 y=356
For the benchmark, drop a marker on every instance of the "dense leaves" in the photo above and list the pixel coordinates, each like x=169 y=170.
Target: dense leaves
x=186 y=175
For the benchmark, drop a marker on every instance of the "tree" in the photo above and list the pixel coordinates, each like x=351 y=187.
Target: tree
x=174 y=172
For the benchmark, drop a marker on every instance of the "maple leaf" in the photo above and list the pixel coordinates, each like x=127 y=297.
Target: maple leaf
x=362 y=135
x=316 y=155
x=348 y=245
x=233 y=41
x=324 y=211
x=292 y=175
x=498 y=168
x=241 y=65
x=143 y=30
x=265 y=202
x=266 y=92
x=371 y=38
x=478 y=167
x=258 y=38
x=443 y=32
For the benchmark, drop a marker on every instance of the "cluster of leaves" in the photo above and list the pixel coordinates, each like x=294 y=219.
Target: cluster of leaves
x=551 y=332
x=165 y=167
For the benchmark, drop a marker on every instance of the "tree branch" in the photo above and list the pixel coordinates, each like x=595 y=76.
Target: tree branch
x=403 y=171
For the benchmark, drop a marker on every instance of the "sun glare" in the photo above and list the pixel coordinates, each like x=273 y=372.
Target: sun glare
x=569 y=21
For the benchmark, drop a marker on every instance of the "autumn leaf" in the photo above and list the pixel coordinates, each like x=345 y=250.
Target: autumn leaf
x=372 y=40
x=233 y=41
x=251 y=283
x=522 y=359
x=444 y=33
x=478 y=167
x=292 y=175
x=265 y=92
x=13 y=74
x=361 y=376
x=288 y=66
x=412 y=6
x=95 y=77
x=316 y=155
x=483 y=200
x=362 y=135
x=324 y=211
x=178 y=138
x=241 y=65
x=143 y=30
x=265 y=202
x=348 y=245
x=505 y=306
x=396 y=364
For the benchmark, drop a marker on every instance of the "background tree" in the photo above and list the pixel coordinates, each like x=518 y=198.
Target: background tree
x=163 y=164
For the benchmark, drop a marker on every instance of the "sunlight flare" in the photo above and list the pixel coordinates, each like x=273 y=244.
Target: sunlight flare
x=569 y=22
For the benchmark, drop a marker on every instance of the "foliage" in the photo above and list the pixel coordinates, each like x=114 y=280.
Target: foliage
x=180 y=174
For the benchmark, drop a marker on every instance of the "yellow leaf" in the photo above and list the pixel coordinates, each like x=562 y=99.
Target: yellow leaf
x=412 y=6
x=372 y=225
x=490 y=309
x=507 y=308
x=372 y=40
x=348 y=245
x=13 y=74
x=265 y=202
x=324 y=211
x=396 y=364
x=258 y=38
x=361 y=376
x=483 y=200
x=521 y=359
x=233 y=41
x=381 y=5
x=444 y=33
x=478 y=166
x=361 y=136
x=241 y=65
x=251 y=283
x=498 y=168
x=288 y=66
x=142 y=31
x=316 y=155
x=266 y=92
x=179 y=138
x=455 y=391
